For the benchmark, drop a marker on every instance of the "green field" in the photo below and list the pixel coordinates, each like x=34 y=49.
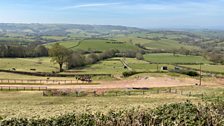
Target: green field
x=97 y=45
x=143 y=66
x=58 y=38
x=170 y=58
x=167 y=44
x=163 y=44
x=25 y=64
x=102 y=67
x=211 y=68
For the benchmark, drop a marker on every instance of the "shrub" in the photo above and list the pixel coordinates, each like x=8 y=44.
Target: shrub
x=181 y=114
x=129 y=73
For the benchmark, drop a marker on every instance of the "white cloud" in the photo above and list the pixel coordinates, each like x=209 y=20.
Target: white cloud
x=89 y=5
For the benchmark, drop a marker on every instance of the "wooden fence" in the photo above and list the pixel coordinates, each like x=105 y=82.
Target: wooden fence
x=20 y=88
x=129 y=91
x=39 y=82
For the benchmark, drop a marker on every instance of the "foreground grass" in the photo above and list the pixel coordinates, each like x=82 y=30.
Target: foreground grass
x=33 y=104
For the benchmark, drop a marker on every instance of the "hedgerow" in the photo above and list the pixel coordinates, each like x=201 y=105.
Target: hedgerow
x=176 y=114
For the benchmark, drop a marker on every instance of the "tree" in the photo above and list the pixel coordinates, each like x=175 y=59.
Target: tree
x=92 y=58
x=76 y=60
x=139 y=56
x=41 y=51
x=59 y=55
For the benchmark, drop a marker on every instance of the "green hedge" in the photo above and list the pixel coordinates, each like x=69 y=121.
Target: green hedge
x=181 y=114
x=129 y=73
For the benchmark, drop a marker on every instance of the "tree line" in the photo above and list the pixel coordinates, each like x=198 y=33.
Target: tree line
x=72 y=59
x=21 y=51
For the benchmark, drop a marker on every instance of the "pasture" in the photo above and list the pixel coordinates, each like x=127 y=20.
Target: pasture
x=26 y=64
x=162 y=44
x=209 y=68
x=97 y=45
x=175 y=59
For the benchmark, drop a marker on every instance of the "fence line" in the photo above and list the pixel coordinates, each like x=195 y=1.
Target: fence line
x=19 y=81
x=129 y=91
x=19 y=88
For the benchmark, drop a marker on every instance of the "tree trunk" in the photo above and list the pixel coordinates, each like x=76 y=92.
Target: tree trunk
x=60 y=67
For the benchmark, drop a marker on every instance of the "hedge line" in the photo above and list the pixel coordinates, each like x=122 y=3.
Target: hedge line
x=181 y=114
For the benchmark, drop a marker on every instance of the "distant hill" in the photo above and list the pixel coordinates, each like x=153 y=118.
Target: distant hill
x=63 y=29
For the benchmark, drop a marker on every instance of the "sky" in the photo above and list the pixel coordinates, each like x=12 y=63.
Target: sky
x=137 y=13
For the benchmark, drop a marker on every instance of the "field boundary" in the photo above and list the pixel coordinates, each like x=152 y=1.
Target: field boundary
x=43 y=82
x=19 y=88
x=205 y=71
x=44 y=74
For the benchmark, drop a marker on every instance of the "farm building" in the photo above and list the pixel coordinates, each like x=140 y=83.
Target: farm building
x=164 y=68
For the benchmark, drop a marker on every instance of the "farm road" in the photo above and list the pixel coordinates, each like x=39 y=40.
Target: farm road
x=143 y=82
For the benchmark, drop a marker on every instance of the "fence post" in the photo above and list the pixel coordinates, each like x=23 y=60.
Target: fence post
x=116 y=93
x=77 y=93
x=202 y=96
x=157 y=91
x=143 y=92
x=170 y=90
x=94 y=92
x=189 y=93
x=129 y=92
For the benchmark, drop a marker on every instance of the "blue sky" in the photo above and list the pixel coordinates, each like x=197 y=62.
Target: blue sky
x=139 y=13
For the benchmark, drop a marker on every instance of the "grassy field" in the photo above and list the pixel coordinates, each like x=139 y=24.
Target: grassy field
x=33 y=104
x=115 y=67
x=98 y=44
x=167 y=44
x=211 y=68
x=103 y=67
x=25 y=64
x=170 y=58
x=59 y=38
x=164 y=44
x=141 y=66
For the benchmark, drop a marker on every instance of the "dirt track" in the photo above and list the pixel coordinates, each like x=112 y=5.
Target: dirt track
x=129 y=83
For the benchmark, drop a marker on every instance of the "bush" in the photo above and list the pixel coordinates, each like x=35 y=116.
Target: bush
x=192 y=73
x=188 y=72
x=129 y=73
x=139 y=56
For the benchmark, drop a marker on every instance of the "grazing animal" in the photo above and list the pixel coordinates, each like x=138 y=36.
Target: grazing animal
x=84 y=79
